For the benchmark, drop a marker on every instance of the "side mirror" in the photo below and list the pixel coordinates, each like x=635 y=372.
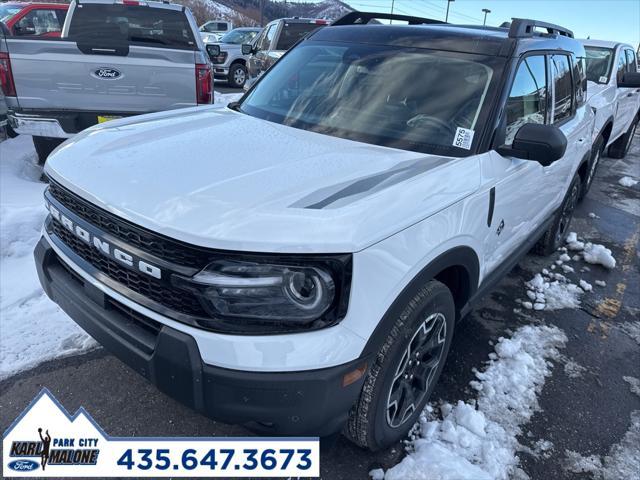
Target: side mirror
x=247 y=49
x=213 y=50
x=630 y=80
x=533 y=141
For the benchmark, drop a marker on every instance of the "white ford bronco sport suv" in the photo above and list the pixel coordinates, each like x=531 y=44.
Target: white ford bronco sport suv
x=382 y=179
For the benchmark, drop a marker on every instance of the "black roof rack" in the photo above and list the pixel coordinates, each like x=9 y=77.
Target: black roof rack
x=524 y=27
x=362 y=18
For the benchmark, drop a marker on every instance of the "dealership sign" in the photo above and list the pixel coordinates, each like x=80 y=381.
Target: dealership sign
x=45 y=441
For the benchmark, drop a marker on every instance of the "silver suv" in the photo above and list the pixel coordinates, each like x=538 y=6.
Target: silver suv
x=230 y=64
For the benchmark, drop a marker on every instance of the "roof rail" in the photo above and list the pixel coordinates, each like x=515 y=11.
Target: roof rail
x=524 y=27
x=362 y=18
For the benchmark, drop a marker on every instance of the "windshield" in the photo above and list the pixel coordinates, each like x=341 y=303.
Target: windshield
x=8 y=11
x=407 y=98
x=599 y=62
x=238 y=37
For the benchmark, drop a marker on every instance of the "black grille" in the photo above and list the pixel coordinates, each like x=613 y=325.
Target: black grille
x=162 y=247
x=178 y=300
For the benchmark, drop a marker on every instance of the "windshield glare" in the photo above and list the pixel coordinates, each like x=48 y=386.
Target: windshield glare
x=238 y=37
x=599 y=62
x=405 y=98
x=8 y=11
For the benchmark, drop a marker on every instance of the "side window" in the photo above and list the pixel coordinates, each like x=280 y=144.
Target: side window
x=580 y=79
x=38 y=22
x=621 y=66
x=265 y=42
x=527 y=102
x=632 y=66
x=562 y=88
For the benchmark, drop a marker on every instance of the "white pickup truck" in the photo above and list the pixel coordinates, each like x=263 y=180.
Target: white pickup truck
x=613 y=93
x=114 y=59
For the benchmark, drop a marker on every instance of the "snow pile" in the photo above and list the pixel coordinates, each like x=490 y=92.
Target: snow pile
x=478 y=440
x=592 y=252
x=547 y=294
x=627 y=182
x=598 y=255
x=622 y=462
x=32 y=328
x=634 y=384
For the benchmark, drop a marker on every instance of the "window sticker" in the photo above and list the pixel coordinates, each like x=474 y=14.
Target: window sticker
x=463 y=138
x=603 y=79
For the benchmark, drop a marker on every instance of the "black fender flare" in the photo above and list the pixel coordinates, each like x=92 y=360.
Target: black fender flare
x=461 y=256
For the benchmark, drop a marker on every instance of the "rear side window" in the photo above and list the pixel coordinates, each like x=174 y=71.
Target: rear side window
x=39 y=22
x=562 y=87
x=215 y=27
x=139 y=25
x=527 y=101
x=579 y=80
x=599 y=62
x=292 y=32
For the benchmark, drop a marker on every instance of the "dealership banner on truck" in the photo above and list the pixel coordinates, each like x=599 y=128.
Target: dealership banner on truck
x=45 y=441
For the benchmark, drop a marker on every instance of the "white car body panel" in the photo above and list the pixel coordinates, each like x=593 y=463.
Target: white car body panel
x=610 y=102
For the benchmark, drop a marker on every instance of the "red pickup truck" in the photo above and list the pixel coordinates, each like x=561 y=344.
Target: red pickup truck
x=34 y=19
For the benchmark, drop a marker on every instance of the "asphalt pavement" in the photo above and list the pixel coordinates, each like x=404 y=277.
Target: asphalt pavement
x=587 y=413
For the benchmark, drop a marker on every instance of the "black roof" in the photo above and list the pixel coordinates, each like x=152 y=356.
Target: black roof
x=436 y=37
x=512 y=39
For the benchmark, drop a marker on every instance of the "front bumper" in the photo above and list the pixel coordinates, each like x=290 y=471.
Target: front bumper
x=310 y=402
x=220 y=72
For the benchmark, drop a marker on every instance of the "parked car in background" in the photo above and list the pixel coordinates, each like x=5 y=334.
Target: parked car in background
x=213 y=30
x=390 y=176
x=33 y=19
x=274 y=40
x=230 y=64
x=614 y=94
x=114 y=60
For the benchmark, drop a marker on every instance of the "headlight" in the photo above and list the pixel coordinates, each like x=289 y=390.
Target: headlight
x=273 y=293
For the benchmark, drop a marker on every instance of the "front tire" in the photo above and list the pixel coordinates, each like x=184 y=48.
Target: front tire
x=554 y=237
x=405 y=371
x=237 y=75
x=620 y=147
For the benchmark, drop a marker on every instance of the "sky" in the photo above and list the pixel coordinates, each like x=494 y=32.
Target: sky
x=617 y=20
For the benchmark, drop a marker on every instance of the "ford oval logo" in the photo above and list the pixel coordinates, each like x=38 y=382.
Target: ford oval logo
x=23 y=465
x=107 y=73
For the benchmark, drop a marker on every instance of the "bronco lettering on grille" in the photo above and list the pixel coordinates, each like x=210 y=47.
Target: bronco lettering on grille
x=103 y=246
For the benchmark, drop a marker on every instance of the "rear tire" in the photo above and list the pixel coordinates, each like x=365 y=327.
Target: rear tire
x=594 y=161
x=405 y=371
x=620 y=147
x=44 y=146
x=554 y=237
x=237 y=75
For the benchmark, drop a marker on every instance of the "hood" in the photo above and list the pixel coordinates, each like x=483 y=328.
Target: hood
x=221 y=179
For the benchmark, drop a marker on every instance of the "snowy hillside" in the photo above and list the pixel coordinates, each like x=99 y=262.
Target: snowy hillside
x=247 y=12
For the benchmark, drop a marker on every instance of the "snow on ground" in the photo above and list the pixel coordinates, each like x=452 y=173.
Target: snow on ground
x=478 y=439
x=550 y=290
x=632 y=329
x=222 y=99
x=622 y=462
x=627 y=182
x=32 y=328
x=634 y=384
